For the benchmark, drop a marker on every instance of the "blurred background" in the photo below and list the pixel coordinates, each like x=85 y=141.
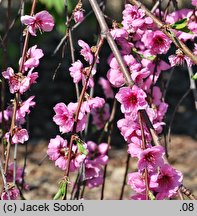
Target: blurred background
x=55 y=85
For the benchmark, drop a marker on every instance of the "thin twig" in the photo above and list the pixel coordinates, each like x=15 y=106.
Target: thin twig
x=106 y=33
x=101 y=40
x=125 y=177
x=109 y=128
x=4 y=180
x=174 y=113
x=144 y=147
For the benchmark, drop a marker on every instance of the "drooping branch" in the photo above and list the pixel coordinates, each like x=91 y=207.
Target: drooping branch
x=167 y=30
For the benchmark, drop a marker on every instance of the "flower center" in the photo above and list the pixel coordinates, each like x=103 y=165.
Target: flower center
x=133 y=99
x=159 y=41
x=149 y=157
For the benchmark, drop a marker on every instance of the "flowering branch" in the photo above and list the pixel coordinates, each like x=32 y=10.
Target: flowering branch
x=81 y=98
x=167 y=30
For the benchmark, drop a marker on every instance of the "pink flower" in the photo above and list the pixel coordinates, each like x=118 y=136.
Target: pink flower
x=86 y=51
x=63 y=118
x=131 y=100
x=168 y=181
x=179 y=59
x=32 y=58
x=18 y=82
x=106 y=88
x=195 y=49
x=133 y=16
x=76 y=71
x=42 y=21
x=130 y=129
x=13 y=193
x=93 y=103
x=93 y=163
x=58 y=152
x=25 y=108
x=93 y=174
x=20 y=136
x=138 y=197
x=115 y=77
x=137 y=182
x=151 y=158
x=156 y=41
x=79 y=73
x=100 y=116
x=78 y=16
x=194 y=2
x=19 y=174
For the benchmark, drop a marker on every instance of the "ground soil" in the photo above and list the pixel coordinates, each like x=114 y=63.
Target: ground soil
x=43 y=180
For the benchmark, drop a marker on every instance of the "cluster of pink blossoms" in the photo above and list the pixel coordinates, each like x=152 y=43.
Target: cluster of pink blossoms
x=19 y=82
x=93 y=156
x=140 y=42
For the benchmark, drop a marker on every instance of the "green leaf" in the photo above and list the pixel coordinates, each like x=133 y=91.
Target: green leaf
x=194 y=77
x=151 y=196
x=142 y=56
x=61 y=192
x=58 y=5
x=81 y=148
x=181 y=25
x=71 y=5
x=58 y=195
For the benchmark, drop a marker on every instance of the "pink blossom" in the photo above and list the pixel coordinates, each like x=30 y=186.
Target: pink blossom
x=58 y=152
x=151 y=158
x=156 y=41
x=115 y=77
x=63 y=118
x=139 y=76
x=76 y=71
x=131 y=100
x=7 y=114
x=137 y=182
x=24 y=108
x=86 y=51
x=119 y=33
x=32 y=58
x=20 y=136
x=179 y=59
x=94 y=103
x=10 y=172
x=18 y=82
x=42 y=21
x=93 y=174
x=130 y=129
x=106 y=88
x=194 y=2
x=79 y=73
x=181 y=14
x=135 y=147
x=132 y=16
x=168 y=181
x=138 y=197
x=100 y=116
x=93 y=163
x=78 y=16
x=195 y=49
x=13 y=193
